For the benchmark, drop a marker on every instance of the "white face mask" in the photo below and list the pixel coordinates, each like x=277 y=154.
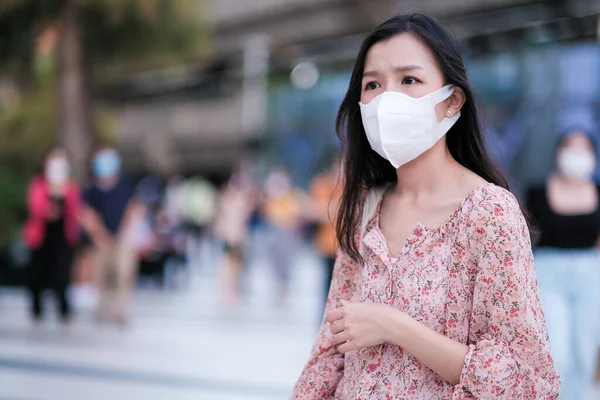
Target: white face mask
x=576 y=164
x=57 y=171
x=400 y=128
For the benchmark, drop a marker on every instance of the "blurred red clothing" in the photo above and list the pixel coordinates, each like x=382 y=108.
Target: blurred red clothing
x=39 y=208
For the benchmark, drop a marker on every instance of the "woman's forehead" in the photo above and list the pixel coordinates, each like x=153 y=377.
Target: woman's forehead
x=399 y=51
x=56 y=153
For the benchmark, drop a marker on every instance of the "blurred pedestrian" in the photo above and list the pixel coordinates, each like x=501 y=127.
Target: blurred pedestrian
x=174 y=200
x=567 y=209
x=108 y=217
x=434 y=292
x=283 y=210
x=52 y=232
x=235 y=208
x=199 y=199
x=326 y=192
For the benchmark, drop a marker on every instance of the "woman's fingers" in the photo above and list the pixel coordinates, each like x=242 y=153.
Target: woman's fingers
x=341 y=337
x=337 y=326
x=347 y=346
x=334 y=315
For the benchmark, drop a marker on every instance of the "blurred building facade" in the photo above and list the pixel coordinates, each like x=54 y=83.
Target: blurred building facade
x=203 y=118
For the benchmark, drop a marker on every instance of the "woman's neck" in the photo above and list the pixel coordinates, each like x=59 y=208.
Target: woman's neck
x=107 y=183
x=432 y=171
x=57 y=189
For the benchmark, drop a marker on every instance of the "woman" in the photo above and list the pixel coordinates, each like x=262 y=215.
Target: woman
x=434 y=293
x=283 y=209
x=567 y=208
x=231 y=227
x=52 y=232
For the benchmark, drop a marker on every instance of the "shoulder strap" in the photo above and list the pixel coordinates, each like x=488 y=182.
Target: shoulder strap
x=372 y=200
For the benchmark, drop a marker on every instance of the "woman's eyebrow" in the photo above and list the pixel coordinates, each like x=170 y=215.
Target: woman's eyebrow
x=403 y=68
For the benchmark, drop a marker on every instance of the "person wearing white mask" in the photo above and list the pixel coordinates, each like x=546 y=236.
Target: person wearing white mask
x=434 y=293
x=52 y=232
x=109 y=216
x=567 y=212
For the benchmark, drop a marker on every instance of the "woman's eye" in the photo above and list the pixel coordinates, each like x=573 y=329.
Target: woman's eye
x=372 y=86
x=409 y=80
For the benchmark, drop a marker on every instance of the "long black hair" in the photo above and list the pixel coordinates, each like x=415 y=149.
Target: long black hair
x=363 y=167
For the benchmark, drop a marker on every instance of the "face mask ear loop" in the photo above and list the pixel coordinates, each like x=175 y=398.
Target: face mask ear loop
x=441 y=94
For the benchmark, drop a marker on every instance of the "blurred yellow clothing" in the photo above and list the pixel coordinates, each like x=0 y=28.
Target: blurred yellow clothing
x=326 y=193
x=283 y=211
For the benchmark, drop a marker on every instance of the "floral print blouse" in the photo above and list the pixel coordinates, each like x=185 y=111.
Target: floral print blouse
x=472 y=279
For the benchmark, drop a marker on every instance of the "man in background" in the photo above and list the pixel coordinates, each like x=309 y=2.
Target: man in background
x=108 y=216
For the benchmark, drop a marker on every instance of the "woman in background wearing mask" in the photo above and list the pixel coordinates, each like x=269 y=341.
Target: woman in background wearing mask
x=52 y=232
x=434 y=293
x=567 y=209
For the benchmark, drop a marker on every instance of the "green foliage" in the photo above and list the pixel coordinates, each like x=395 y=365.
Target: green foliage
x=27 y=127
x=123 y=35
x=12 y=205
x=143 y=34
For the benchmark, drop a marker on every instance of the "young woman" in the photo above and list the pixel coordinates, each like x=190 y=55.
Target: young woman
x=567 y=209
x=434 y=292
x=52 y=231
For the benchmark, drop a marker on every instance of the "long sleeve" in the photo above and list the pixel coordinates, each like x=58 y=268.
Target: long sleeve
x=509 y=354
x=37 y=203
x=325 y=367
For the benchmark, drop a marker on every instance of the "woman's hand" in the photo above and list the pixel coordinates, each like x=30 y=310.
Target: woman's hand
x=359 y=325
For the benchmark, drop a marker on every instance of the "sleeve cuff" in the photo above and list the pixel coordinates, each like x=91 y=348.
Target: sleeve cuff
x=462 y=388
x=487 y=362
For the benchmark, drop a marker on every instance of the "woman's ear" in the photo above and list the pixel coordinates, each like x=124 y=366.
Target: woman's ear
x=455 y=102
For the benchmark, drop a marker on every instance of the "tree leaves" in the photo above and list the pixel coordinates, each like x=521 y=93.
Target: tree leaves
x=126 y=35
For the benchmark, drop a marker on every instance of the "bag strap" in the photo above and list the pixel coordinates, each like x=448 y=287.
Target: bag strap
x=372 y=200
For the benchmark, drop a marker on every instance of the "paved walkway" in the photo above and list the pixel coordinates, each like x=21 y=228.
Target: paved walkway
x=180 y=345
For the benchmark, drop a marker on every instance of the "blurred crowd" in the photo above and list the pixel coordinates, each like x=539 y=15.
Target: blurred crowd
x=117 y=229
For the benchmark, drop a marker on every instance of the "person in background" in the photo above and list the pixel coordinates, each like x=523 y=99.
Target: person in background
x=567 y=210
x=52 y=232
x=199 y=198
x=148 y=243
x=174 y=200
x=108 y=216
x=326 y=193
x=231 y=228
x=283 y=210
x=171 y=224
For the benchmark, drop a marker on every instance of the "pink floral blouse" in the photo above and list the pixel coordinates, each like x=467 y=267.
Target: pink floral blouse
x=472 y=279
